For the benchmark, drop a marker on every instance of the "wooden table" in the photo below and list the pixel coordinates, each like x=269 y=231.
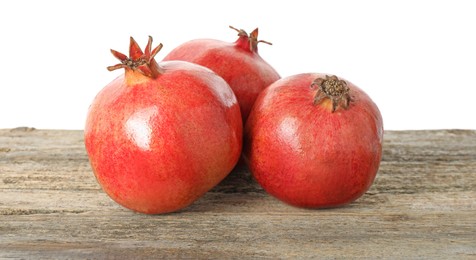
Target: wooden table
x=422 y=205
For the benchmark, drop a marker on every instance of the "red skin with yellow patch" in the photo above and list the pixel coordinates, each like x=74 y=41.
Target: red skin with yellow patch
x=157 y=145
x=306 y=155
x=238 y=63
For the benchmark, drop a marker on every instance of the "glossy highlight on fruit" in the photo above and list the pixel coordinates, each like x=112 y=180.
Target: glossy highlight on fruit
x=162 y=134
x=238 y=63
x=314 y=140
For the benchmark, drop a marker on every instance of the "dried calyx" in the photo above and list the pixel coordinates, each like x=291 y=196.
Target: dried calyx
x=252 y=38
x=138 y=60
x=334 y=89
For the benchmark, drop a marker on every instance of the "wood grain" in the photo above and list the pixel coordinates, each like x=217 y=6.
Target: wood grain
x=422 y=205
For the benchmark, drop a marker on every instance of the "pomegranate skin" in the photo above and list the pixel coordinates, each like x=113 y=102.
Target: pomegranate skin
x=307 y=155
x=238 y=63
x=158 y=144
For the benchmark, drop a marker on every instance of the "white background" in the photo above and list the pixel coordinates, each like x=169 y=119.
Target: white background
x=416 y=59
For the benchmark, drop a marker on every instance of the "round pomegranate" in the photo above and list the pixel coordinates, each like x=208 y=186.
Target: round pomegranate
x=314 y=141
x=162 y=134
x=237 y=63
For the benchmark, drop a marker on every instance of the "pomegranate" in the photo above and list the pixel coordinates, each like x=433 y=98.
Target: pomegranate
x=237 y=63
x=314 y=141
x=162 y=134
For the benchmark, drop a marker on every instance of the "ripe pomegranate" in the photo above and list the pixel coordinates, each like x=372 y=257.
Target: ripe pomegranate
x=162 y=134
x=237 y=63
x=314 y=141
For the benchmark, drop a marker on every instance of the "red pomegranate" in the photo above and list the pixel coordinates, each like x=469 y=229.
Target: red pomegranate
x=238 y=63
x=162 y=134
x=314 y=140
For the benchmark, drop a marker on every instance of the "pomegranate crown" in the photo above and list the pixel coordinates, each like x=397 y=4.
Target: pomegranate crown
x=138 y=60
x=333 y=88
x=251 y=40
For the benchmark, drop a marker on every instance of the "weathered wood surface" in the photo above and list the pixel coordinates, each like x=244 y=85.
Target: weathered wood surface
x=422 y=205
